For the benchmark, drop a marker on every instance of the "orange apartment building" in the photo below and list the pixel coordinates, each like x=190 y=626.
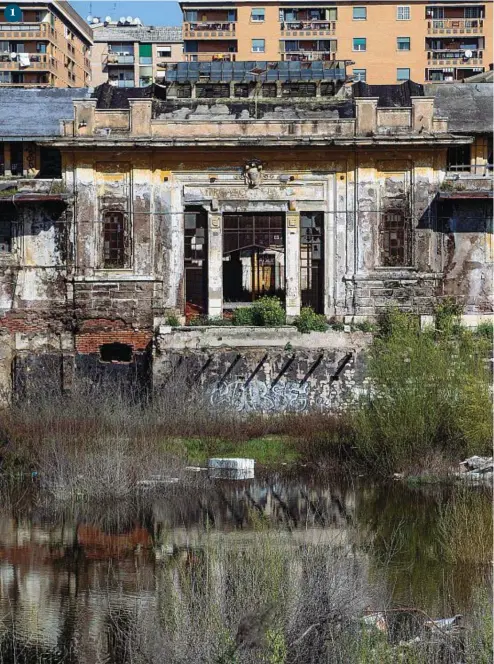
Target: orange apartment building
x=388 y=41
x=49 y=46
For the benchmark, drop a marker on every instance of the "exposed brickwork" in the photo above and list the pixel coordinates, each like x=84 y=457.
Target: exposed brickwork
x=90 y=343
x=29 y=323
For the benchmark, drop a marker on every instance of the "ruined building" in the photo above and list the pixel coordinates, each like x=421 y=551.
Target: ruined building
x=191 y=198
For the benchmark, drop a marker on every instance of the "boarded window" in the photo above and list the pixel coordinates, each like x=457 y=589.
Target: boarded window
x=395 y=239
x=114 y=240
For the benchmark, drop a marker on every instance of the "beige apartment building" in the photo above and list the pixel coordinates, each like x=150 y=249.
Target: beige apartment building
x=49 y=46
x=387 y=41
x=127 y=54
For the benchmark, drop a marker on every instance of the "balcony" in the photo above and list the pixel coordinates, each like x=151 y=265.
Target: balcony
x=208 y=57
x=454 y=57
x=308 y=56
x=210 y=30
x=118 y=59
x=456 y=26
x=308 y=28
x=37 y=62
x=27 y=31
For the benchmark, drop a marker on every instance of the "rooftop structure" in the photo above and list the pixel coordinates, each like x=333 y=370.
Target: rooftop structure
x=128 y=54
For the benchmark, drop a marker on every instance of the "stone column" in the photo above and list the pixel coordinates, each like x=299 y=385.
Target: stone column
x=292 y=265
x=215 y=265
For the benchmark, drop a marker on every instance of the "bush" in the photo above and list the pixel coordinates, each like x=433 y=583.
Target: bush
x=309 y=321
x=265 y=312
x=485 y=329
x=448 y=315
x=428 y=394
x=243 y=316
x=364 y=326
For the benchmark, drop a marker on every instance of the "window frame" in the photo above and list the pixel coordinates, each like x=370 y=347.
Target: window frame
x=359 y=50
x=398 y=69
x=404 y=9
x=359 y=18
x=364 y=79
x=106 y=262
x=403 y=50
x=257 y=20
x=258 y=50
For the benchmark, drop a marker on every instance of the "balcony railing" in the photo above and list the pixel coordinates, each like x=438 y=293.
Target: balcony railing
x=208 y=57
x=456 y=26
x=454 y=57
x=118 y=59
x=307 y=28
x=39 y=62
x=210 y=30
x=308 y=56
x=27 y=31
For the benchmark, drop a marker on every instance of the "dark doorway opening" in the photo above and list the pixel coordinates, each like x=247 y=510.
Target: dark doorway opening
x=253 y=256
x=312 y=260
x=195 y=261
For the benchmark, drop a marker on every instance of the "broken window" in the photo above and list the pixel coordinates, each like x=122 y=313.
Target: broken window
x=114 y=240
x=311 y=260
x=116 y=352
x=299 y=89
x=395 y=239
x=253 y=256
x=184 y=91
x=195 y=260
x=269 y=90
x=212 y=91
x=8 y=215
x=16 y=159
x=50 y=162
x=241 y=90
x=459 y=158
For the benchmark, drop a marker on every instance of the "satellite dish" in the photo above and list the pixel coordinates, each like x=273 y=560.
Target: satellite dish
x=89 y=18
x=129 y=19
x=468 y=55
x=95 y=20
x=121 y=19
x=107 y=19
x=137 y=21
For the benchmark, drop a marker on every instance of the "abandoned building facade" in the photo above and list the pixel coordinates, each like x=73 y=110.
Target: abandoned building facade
x=136 y=205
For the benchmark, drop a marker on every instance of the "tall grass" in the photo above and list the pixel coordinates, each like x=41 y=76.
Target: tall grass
x=430 y=393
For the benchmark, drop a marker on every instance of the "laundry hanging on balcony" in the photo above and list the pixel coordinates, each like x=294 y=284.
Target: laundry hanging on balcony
x=24 y=59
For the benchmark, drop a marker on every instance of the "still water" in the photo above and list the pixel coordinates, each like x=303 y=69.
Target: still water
x=64 y=568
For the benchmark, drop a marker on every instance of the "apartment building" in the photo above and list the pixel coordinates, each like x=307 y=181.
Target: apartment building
x=388 y=41
x=49 y=46
x=127 y=54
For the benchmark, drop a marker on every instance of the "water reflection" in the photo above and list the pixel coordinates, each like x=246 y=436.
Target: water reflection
x=73 y=579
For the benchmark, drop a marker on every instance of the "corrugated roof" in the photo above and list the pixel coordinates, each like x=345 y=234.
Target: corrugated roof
x=37 y=112
x=147 y=34
x=398 y=95
x=467 y=105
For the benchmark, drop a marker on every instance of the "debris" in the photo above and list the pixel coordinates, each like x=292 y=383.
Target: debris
x=444 y=624
x=476 y=468
x=232 y=469
x=377 y=620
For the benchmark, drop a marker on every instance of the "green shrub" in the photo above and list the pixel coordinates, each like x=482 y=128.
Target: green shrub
x=268 y=312
x=365 y=326
x=338 y=326
x=485 y=329
x=448 y=315
x=429 y=394
x=243 y=316
x=172 y=320
x=309 y=321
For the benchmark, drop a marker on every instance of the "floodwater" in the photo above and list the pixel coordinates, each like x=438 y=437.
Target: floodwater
x=64 y=569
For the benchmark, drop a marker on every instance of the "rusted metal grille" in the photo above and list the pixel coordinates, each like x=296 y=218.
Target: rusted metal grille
x=395 y=238
x=312 y=260
x=114 y=240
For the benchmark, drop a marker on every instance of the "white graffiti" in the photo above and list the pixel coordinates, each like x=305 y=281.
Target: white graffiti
x=257 y=396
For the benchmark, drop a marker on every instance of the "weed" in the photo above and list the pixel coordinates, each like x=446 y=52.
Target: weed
x=309 y=321
x=172 y=320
